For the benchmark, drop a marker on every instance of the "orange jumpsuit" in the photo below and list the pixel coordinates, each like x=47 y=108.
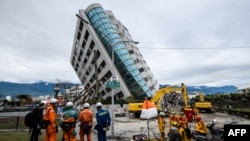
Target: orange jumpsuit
x=183 y=134
x=173 y=120
x=50 y=115
x=161 y=123
x=200 y=127
x=182 y=118
x=69 y=118
x=86 y=116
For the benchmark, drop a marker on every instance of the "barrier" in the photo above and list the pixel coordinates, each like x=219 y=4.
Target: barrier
x=118 y=109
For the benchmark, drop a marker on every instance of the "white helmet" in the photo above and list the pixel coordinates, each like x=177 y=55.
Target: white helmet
x=53 y=100
x=44 y=102
x=86 y=105
x=98 y=104
x=69 y=104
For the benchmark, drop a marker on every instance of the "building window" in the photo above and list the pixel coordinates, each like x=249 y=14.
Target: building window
x=79 y=35
x=103 y=64
x=88 y=52
x=85 y=61
x=151 y=88
x=83 y=44
x=131 y=52
x=86 y=35
x=79 y=58
x=141 y=69
x=81 y=26
x=81 y=52
x=98 y=54
x=92 y=44
x=120 y=95
x=89 y=68
x=73 y=60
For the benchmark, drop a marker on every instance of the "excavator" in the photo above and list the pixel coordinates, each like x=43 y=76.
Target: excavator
x=202 y=105
x=135 y=108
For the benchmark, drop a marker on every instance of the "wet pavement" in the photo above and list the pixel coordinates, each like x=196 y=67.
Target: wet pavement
x=125 y=127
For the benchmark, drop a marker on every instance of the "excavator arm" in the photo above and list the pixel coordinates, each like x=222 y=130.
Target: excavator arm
x=157 y=98
x=135 y=108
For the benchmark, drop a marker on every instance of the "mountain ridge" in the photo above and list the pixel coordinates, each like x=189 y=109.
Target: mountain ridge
x=44 y=88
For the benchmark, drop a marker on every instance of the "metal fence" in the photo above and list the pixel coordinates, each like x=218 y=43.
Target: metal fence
x=12 y=123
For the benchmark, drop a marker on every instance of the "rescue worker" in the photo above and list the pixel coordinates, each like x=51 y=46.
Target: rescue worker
x=86 y=119
x=183 y=131
x=50 y=115
x=173 y=119
x=162 y=125
x=182 y=117
x=38 y=116
x=103 y=122
x=173 y=127
x=200 y=126
x=70 y=117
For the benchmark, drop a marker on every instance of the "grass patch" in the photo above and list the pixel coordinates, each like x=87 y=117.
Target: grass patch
x=25 y=136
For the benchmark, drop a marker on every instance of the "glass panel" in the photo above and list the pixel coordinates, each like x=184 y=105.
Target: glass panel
x=110 y=38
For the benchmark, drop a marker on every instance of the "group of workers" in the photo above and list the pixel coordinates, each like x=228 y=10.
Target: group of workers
x=178 y=124
x=178 y=127
x=68 y=122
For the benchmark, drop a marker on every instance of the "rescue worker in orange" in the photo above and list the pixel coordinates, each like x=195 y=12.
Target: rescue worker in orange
x=182 y=132
x=200 y=126
x=162 y=125
x=173 y=119
x=173 y=127
x=50 y=114
x=70 y=117
x=86 y=118
x=182 y=117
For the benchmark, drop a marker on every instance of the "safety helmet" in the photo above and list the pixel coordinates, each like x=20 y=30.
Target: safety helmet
x=173 y=112
x=43 y=102
x=162 y=114
x=53 y=100
x=98 y=104
x=86 y=105
x=69 y=104
x=197 y=118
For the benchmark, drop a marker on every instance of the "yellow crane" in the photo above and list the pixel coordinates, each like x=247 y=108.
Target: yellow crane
x=135 y=108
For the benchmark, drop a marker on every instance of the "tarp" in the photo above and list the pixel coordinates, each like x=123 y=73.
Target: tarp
x=148 y=110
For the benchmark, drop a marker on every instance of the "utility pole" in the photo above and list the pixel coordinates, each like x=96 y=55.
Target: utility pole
x=96 y=77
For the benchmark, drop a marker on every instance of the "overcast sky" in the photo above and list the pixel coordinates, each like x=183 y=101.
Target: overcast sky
x=197 y=42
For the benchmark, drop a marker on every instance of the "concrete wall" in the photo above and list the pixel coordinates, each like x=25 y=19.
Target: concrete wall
x=118 y=110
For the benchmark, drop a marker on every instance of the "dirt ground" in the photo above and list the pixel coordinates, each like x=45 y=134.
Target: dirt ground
x=125 y=127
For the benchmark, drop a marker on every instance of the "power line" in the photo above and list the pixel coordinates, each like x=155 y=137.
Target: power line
x=240 y=47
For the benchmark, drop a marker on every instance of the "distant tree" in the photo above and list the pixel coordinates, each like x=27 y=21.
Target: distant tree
x=24 y=99
x=130 y=98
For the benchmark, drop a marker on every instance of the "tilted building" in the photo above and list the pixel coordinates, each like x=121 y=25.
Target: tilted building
x=98 y=33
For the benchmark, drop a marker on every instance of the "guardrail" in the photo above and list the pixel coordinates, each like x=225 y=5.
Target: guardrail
x=245 y=113
x=12 y=123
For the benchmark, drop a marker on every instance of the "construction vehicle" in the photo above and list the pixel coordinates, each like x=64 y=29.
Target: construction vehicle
x=135 y=108
x=202 y=105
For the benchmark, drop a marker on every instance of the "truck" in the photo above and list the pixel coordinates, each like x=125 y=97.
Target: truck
x=135 y=108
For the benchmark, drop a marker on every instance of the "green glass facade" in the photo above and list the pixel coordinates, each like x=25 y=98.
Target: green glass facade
x=122 y=59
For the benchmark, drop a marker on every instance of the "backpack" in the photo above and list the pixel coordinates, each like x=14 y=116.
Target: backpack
x=29 y=119
x=188 y=133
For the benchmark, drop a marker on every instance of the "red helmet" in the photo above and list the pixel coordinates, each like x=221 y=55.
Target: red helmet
x=197 y=118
